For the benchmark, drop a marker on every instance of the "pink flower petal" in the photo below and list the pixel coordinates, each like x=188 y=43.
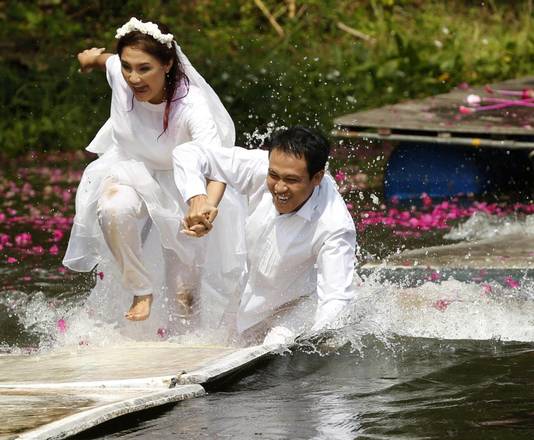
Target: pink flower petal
x=512 y=283
x=61 y=325
x=441 y=304
x=487 y=288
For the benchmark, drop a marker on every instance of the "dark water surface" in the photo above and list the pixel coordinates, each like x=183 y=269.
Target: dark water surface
x=415 y=389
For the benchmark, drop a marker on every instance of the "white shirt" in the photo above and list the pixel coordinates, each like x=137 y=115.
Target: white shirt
x=288 y=255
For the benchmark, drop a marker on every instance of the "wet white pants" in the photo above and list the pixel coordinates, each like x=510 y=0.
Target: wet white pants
x=120 y=211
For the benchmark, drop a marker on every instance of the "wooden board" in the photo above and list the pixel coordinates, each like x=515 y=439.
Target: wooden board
x=63 y=392
x=50 y=414
x=125 y=362
x=513 y=251
x=438 y=116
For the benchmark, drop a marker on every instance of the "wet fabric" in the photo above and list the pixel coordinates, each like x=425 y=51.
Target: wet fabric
x=310 y=251
x=136 y=153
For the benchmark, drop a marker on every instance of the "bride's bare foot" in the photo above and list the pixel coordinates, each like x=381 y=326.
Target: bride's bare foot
x=184 y=301
x=140 y=309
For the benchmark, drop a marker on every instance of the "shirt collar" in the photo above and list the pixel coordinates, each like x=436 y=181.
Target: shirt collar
x=306 y=210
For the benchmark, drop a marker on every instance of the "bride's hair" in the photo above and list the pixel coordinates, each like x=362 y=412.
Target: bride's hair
x=176 y=80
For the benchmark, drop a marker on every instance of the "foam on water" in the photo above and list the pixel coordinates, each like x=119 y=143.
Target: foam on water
x=441 y=308
x=499 y=309
x=447 y=310
x=482 y=226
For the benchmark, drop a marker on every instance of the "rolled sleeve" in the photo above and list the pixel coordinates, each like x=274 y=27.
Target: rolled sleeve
x=189 y=167
x=244 y=170
x=335 y=273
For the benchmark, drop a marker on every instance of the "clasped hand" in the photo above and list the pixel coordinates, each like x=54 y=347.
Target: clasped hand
x=199 y=219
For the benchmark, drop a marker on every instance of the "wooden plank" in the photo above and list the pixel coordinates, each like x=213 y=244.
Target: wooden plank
x=61 y=393
x=47 y=414
x=439 y=114
x=125 y=362
x=513 y=251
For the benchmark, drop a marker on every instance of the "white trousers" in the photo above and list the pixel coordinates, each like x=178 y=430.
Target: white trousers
x=120 y=211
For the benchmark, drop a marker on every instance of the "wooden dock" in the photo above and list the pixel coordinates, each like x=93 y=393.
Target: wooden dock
x=437 y=119
x=64 y=392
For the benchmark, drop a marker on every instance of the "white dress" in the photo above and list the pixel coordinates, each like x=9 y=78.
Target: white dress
x=137 y=153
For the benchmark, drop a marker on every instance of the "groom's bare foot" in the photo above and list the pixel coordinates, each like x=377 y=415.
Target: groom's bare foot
x=140 y=309
x=184 y=301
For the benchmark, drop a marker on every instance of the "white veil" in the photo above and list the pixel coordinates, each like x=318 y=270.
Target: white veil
x=225 y=126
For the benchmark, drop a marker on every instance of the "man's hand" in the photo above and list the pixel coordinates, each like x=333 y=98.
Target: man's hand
x=199 y=220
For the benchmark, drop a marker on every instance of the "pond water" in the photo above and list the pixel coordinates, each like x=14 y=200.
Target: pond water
x=446 y=357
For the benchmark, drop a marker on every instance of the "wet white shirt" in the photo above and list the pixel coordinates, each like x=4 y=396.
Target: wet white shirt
x=288 y=255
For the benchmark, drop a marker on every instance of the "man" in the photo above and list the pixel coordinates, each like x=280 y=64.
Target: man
x=300 y=237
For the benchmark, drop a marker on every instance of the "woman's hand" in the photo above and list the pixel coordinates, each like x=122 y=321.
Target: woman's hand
x=199 y=220
x=91 y=58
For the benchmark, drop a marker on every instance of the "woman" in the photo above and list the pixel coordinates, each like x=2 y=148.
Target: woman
x=158 y=102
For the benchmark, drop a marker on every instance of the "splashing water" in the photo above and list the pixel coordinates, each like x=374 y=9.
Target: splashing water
x=482 y=225
x=54 y=309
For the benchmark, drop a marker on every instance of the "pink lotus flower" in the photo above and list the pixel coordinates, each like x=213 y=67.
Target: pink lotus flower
x=427 y=200
x=38 y=250
x=441 y=304
x=23 y=240
x=4 y=239
x=61 y=325
x=12 y=260
x=487 y=288
x=340 y=176
x=54 y=250
x=434 y=276
x=57 y=235
x=512 y=283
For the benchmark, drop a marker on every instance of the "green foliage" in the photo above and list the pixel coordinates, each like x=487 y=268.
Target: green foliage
x=317 y=70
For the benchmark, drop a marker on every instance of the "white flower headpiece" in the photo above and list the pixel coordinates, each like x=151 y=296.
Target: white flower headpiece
x=148 y=28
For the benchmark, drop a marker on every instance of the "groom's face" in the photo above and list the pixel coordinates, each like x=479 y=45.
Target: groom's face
x=289 y=182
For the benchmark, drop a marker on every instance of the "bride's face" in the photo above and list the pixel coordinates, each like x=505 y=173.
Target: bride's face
x=144 y=74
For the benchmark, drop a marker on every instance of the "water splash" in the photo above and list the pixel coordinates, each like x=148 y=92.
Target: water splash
x=482 y=226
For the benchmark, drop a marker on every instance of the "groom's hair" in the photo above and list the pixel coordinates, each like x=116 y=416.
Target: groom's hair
x=302 y=142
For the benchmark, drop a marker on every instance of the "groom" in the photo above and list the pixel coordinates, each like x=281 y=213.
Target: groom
x=300 y=236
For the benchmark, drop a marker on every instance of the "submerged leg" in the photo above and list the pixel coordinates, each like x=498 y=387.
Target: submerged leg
x=119 y=210
x=182 y=281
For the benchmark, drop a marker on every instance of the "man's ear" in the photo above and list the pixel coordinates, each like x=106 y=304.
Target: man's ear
x=317 y=177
